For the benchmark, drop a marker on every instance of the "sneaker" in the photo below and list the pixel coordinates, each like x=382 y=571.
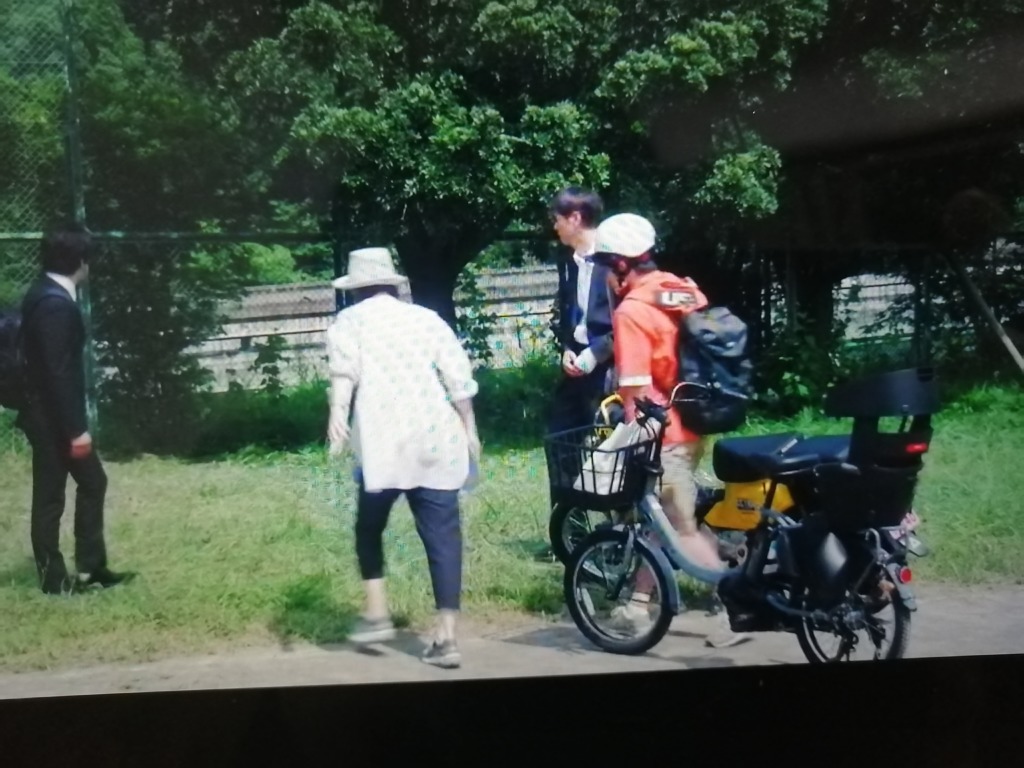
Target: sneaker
x=724 y=636
x=443 y=654
x=102 y=579
x=372 y=631
x=632 y=617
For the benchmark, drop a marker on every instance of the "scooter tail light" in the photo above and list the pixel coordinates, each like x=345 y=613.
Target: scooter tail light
x=904 y=575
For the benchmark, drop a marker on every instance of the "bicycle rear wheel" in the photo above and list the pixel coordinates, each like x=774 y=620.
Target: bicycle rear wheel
x=569 y=525
x=883 y=637
x=595 y=569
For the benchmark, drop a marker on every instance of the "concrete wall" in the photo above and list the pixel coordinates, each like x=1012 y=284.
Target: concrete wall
x=521 y=301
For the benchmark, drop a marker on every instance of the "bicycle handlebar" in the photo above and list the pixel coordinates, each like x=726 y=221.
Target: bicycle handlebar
x=647 y=409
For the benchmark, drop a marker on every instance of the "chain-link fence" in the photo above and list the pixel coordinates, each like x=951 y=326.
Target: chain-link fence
x=176 y=315
x=33 y=187
x=158 y=301
x=906 y=306
x=876 y=301
x=276 y=331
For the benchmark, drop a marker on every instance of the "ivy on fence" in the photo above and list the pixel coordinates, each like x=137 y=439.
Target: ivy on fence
x=474 y=324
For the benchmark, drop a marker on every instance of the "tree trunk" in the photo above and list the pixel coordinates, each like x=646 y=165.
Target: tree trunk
x=435 y=290
x=809 y=292
x=433 y=267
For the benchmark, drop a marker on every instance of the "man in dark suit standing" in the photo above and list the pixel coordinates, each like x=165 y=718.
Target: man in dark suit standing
x=584 y=327
x=54 y=420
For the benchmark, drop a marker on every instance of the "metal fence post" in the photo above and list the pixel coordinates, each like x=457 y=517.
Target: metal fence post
x=925 y=287
x=338 y=252
x=73 y=143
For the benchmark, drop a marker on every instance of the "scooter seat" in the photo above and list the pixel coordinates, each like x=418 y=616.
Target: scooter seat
x=828 y=447
x=748 y=459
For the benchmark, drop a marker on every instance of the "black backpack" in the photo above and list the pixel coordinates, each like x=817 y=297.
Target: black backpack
x=13 y=375
x=12 y=361
x=715 y=372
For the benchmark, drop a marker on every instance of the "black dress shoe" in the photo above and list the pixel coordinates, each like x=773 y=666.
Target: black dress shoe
x=103 y=579
x=65 y=587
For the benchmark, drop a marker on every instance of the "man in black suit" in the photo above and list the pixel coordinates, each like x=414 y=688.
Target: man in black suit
x=584 y=327
x=54 y=420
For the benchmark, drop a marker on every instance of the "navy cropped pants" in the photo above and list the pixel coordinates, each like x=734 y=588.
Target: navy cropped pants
x=437 y=521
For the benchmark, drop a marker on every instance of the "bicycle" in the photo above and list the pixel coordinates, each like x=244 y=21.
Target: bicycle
x=627 y=489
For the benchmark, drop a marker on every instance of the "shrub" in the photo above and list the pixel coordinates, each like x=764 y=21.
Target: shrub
x=261 y=419
x=510 y=407
x=798 y=367
x=474 y=323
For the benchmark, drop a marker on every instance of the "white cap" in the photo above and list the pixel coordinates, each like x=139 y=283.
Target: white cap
x=625 y=234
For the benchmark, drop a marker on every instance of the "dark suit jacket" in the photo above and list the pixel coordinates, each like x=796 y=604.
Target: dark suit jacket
x=54 y=338
x=599 y=310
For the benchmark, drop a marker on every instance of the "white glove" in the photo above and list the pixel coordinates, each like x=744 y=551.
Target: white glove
x=586 y=361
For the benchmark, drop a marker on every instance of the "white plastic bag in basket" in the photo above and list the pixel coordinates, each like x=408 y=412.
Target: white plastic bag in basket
x=603 y=471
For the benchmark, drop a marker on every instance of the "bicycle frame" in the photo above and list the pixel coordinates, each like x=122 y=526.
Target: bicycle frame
x=634 y=540
x=652 y=517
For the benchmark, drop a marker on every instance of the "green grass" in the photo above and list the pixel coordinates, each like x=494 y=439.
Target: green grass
x=254 y=550
x=258 y=548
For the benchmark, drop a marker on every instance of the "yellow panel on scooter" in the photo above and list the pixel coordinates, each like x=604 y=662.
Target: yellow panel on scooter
x=738 y=511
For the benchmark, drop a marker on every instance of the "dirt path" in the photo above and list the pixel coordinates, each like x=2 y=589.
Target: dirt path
x=950 y=621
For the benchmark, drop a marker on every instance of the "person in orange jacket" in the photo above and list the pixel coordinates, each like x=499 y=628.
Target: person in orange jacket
x=650 y=305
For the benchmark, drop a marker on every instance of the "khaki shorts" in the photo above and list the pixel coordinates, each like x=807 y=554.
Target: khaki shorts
x=679 y=484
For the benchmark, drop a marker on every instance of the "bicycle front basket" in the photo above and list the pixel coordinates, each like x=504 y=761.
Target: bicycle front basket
x=598 y=474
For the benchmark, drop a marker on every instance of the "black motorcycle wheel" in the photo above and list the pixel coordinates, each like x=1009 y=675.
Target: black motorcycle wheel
x=598 y=562
x=568 y=526
x=898 y=634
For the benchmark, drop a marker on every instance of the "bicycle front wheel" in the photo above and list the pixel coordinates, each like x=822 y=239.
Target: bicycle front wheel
x=600 y=580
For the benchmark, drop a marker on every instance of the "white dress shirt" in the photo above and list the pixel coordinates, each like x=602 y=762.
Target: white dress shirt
x=65 y=283
x=406 y=367
x=584 y=279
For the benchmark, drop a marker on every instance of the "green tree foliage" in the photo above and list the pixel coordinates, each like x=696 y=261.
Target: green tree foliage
x=436 y=126
x=31 y=115
x=403 y=140
x=160 y=149
x=432 y=126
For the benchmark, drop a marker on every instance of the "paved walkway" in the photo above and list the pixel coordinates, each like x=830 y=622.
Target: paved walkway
x=949 y=622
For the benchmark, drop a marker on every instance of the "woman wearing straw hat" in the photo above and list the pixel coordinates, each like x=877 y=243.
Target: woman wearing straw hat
x=400 y=373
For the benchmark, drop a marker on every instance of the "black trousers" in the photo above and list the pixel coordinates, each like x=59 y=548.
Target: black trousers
x=51 y=465
x=573 y=405
x=437 y=521
x=575 y=400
